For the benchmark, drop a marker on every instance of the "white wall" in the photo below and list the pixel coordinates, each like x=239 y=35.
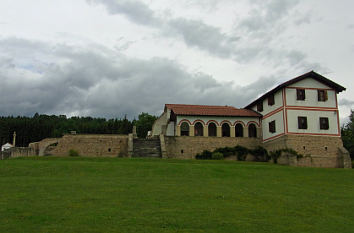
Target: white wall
x=278 y=102
x=313 y=121
x=6 y=146
x=171 y=129
x=279 y=125
x=309 y=82
x=311 y=99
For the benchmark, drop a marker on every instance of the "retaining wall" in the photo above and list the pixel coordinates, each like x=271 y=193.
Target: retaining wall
x=92 y=145
x=318 y=151
x=185 y=147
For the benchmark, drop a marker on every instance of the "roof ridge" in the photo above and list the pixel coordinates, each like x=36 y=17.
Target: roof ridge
x=209 y=110
x=202 y=105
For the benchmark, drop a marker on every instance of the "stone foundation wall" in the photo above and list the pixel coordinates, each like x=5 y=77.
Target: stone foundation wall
x=185 y=147
x=318 y=151
x=92 y=145
x=307 y=145
x=315 y=145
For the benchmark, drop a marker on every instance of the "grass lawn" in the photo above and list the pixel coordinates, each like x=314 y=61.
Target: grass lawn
x=154 y=195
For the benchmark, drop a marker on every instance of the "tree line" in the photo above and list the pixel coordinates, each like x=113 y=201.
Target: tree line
x=38 y=127
x=348 y=135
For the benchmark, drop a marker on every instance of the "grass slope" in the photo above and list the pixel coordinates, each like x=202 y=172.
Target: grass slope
x=143 y=195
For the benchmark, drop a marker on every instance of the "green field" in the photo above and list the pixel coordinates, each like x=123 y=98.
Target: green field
x=156 y=195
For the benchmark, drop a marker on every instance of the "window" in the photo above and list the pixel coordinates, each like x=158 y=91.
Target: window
x=271 y=100
x=324 y=124
x=184 y=129
x=225 y=130
x=300 y=94
x=212 y=130
x=302 y=122
x=272 y=127
x=260 y=106
x=198 y=129
x=252 y=131
x=239 y=130
x=322 y=95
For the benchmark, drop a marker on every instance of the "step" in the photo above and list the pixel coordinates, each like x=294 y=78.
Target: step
x=146 y=148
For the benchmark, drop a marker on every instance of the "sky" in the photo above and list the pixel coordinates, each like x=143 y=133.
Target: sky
x=110 y=58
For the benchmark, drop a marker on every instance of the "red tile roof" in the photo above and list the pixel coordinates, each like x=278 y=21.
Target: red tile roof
x=208 y=110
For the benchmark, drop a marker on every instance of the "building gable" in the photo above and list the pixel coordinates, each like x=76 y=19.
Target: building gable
x=308 y=76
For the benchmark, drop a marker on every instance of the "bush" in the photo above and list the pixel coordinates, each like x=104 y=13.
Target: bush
x=204 y=155
x=293 y=152
x=217 y=156
x=260 y=154
x=277 y=153
x=241 y=152
x=226 y=151
x=73 y=153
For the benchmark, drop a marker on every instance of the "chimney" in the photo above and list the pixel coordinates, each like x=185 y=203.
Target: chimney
x=14 y=139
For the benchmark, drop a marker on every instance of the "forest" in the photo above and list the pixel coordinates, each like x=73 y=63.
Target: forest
x=348 y=135
x=38 y=127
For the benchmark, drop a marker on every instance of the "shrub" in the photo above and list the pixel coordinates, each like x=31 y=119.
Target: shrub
x=73 y=153
x=260 y=154
x=275 y=155
x=241 y=152
x=217 y=156
x=204 y=155
x=293 y=152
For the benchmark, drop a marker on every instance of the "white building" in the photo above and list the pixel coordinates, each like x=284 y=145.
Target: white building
x=207 y=121
x=300 y=114
x=6 y=146
x=306 y=105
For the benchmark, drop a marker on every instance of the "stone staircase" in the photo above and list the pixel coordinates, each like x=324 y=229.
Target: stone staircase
x=147 y=147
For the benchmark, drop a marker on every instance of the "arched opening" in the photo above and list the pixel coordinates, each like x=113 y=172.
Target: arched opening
x=184 y=129
x=252 y=131
x=239 y=130
x=198 y=129
x=212 y=130
x=225 y=130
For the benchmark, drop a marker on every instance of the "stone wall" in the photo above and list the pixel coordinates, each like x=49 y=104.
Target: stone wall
x=22 y=152
x=185 y=147
x=15 y=152
x=318 y=151
x=42 y=145
x=92 y=145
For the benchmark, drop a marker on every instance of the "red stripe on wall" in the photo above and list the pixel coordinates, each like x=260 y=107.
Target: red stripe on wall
x=276 y=136
x=273 y=112
x=315 y=134
x=305 y=107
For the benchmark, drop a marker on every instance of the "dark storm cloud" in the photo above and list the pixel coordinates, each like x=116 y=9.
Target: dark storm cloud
x=96 y=81
x=195 y=33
